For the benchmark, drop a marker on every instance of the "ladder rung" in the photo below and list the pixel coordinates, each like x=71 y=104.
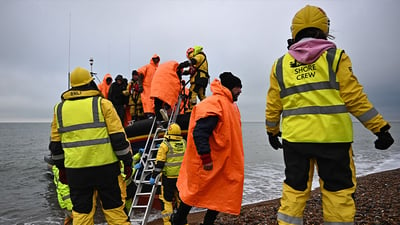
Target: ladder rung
x=139 y=206
x=148 y=160
x=143 y=193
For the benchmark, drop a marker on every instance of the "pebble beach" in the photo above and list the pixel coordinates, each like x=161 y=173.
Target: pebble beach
x=377 y=203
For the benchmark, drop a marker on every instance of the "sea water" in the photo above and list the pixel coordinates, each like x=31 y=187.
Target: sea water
x=27 y=193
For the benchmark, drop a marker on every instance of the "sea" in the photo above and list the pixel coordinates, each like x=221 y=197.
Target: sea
x=27 y=192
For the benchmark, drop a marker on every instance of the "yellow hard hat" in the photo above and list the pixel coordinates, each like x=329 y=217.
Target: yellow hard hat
x=310 y=16
x=173 y=132
x=80 y=76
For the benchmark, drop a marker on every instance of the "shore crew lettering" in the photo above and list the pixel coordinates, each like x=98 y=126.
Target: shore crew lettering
x=304 y=72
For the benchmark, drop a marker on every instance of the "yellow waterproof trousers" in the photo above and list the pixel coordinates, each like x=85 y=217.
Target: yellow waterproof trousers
x=336 y=170
x=115 y=216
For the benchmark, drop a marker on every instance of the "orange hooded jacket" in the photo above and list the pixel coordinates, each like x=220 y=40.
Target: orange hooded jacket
x=103 y=87
x=221 y=188
x=148 y=72
x=166 y=84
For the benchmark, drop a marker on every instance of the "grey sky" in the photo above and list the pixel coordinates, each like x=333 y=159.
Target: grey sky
x=42 y=40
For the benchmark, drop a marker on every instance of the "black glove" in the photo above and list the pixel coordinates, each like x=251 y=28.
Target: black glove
x=183 y=65
x=274 y=140
x=385 y=140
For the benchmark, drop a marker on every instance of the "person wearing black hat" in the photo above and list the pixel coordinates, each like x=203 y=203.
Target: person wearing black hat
x=214 y=155
x=116 y=96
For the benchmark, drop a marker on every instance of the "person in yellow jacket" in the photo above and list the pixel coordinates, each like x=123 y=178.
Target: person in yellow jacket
x=134 y=90
x=312 y=91
x=63 y=196
x=198 y=71
x=212 y=171
x=87 y=143
x=168 y=163
x=146 y=74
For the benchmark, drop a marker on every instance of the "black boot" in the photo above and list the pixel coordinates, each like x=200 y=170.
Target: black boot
x=175 y=220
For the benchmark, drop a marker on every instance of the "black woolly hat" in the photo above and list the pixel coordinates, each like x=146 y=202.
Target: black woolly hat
x=229 y=80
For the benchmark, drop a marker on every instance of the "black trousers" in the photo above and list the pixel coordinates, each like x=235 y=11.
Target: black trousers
x=332 y=160
x=180 y=218
x=83 y=182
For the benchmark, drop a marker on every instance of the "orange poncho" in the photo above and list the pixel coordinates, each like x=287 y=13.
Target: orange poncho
x=103 y=87
x=148 y=73
x=221 y=188
x=166 y=84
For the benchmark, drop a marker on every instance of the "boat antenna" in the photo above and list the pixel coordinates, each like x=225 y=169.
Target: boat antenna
x=69 y=51
x=91 y=60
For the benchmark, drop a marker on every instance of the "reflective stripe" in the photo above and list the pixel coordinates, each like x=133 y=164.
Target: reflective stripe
x=166 y=215
x=271 y=124
x=173 y=164
x=95 y=109
x=175 y=154
x=279 y=73
x=290 y=219
x=122 y=152
x=57 y=157
x=59 y=113
x=338 y=223
x=330 y=57
x=315 y=110
x=85 y=143
x=66 y=197
x=331 y=84
x=368 y=115
x=81 y=126
x=174 y=157
x=312 y=105
x=84 y=135
x=309 y=87
x=96 y=121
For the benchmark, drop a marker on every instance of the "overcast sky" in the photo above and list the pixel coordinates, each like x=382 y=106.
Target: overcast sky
x=42 y=40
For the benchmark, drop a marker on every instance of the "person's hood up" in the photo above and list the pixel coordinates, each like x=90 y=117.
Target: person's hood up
x=105 y=77
x=308 y=50
x=154 y=56
x=218 y=89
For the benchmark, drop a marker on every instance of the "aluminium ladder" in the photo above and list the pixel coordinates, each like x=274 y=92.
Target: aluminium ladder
x=139 y=212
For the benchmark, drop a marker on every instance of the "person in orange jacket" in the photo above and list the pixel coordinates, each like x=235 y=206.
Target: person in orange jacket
x=105 y=85
x=213 y=164
x=146 y=74
x=165 y=88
